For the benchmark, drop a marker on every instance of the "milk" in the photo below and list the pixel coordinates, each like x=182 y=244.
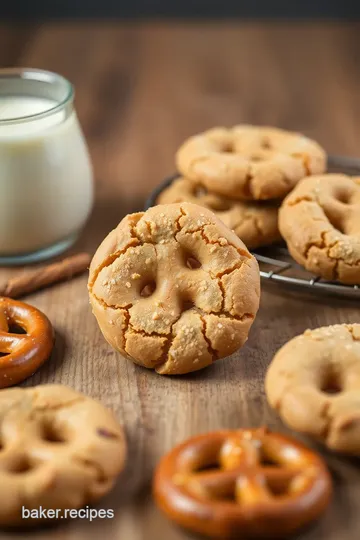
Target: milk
x=46 y=190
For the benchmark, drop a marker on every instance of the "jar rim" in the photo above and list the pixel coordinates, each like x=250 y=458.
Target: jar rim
x=41 y=76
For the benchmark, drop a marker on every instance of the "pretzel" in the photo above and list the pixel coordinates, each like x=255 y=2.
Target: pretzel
x=250 y=162
x=243 y=483
x=59 y=450
x=22 y=354
x=173 y=289
x=320 y=222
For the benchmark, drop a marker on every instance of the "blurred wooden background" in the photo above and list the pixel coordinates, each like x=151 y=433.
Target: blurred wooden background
x=140 y=90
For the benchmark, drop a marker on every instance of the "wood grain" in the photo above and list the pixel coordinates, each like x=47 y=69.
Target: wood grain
x=141 y=89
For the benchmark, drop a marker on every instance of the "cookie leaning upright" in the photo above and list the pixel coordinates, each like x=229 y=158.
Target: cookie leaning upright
x=59 y=450
x=174 y=289
x=320 y=222
x=249 y=162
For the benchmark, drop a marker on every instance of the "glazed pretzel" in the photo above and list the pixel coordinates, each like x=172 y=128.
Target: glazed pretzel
x=23 y=353
x=253 y=482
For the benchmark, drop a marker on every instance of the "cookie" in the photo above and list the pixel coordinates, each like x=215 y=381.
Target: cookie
x=320 y=222
x=255 y=223
x=58 y=450
x=314 y=384
x=249 y=162
x=173 y=289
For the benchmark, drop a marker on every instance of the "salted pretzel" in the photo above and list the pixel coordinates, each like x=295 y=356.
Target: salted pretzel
x=21 y=354
x=243 y=483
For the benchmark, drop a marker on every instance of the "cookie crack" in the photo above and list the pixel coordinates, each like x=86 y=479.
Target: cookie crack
x=177 y=221
x=213 y=353
x=86 y=463
x=48 y=406
x=299 y=200
x=113 y=256
x=146 y=334
x=351 y=330
x=111 y=306
x=241 y=252
x=237 y=266
x=109 y=260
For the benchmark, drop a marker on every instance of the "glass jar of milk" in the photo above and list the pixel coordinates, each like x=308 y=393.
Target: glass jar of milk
x=46 y=182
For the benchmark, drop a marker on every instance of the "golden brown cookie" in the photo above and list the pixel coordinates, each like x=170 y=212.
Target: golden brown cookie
x=58 y=450
x=314 y=384
x=174 y=289
x=320 y=222
x=249 y=162
x=256 y=224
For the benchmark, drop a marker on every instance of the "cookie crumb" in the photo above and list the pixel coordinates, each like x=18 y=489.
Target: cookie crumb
x=128 y=284
x=135 y=276
x=155 y=316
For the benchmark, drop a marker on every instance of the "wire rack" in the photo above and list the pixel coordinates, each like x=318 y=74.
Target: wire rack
x=276 y=264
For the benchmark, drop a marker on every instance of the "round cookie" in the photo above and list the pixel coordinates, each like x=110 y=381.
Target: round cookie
x=249 y=162
x=174 y=289
x=320 y=222
x=58 y=449
x=255 y=223
x=314 y=384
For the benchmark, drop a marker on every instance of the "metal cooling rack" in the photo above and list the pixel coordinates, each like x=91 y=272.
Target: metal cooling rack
x=276 y=264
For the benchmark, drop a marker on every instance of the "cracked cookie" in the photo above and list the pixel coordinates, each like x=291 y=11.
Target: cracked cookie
x=314 y=384
x=320 y=222
x=58 y=449
x=249 y=162
x=255 y=223
x=174 y=289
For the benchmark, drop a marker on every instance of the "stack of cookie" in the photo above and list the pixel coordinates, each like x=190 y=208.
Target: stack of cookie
x=242 y=174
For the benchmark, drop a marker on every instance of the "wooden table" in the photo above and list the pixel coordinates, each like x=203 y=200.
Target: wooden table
x=142 y=89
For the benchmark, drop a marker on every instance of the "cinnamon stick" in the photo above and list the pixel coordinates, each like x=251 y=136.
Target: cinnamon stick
x=34 y=280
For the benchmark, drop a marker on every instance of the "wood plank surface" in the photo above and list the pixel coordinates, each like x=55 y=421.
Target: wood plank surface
x=140 y=90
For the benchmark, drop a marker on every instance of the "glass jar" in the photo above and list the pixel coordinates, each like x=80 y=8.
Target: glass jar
x=46 y=180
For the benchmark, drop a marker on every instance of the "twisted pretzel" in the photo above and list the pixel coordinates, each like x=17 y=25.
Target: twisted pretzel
x=22 y=354
x=249 y=482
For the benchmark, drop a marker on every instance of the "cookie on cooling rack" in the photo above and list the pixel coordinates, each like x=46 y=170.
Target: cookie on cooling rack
x=320 y=222
x=255 y=223
x=249 y=162
x=173 y=289
x=314 y=384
